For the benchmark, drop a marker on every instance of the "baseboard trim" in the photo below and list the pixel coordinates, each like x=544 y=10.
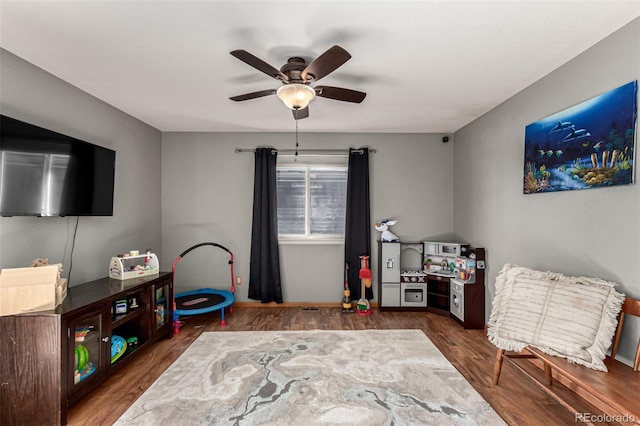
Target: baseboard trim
x=293 y=305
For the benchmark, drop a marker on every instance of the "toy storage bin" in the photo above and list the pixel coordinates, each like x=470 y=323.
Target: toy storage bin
x=124 y=268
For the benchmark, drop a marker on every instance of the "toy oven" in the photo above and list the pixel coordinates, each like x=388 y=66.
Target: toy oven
x=413 y=295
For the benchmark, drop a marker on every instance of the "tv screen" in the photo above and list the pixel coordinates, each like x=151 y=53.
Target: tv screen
x=45 y=173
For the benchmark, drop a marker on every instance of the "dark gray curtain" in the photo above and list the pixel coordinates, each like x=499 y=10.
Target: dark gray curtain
x=264 y=278
x=357 y=234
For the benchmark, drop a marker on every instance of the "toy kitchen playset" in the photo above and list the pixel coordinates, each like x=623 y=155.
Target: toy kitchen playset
x=438 y=277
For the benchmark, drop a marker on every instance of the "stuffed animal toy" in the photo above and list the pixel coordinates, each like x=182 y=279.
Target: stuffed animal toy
x=40 y=262
x=387 y=236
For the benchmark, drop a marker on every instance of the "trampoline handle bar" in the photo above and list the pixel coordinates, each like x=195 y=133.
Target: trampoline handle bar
x=183 y=254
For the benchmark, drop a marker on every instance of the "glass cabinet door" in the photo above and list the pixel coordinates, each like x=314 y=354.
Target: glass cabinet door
x=161 y=297
x=86 y=352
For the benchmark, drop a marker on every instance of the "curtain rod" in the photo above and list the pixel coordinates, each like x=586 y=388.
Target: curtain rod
x=311 y=152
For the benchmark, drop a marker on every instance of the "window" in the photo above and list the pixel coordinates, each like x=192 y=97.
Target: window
x=312 y=201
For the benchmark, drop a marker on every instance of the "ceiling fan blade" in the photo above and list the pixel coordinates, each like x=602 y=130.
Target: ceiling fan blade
x=253 y=95
x=259 y=64
x=326 y=63
x=299 y=114
x=340 y=94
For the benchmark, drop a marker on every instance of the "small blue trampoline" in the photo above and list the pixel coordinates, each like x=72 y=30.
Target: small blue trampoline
x=203 y=300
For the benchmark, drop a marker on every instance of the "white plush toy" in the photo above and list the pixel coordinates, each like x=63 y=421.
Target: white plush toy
x=387 y=236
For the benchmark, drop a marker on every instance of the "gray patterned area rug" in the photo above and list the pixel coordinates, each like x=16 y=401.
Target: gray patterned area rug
x=364 y=377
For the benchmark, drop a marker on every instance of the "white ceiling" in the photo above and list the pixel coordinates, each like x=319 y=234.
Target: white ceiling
x=427 y=66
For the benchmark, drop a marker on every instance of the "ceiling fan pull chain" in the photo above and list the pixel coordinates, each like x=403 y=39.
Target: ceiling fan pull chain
x=296 y=155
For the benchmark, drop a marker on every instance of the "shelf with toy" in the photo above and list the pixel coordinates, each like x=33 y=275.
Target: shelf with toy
x=84 y=372
x=125 y=339
x=124 y=343
x=86 y=347
x=121 y=319
x=128 y=307
x=82 y=332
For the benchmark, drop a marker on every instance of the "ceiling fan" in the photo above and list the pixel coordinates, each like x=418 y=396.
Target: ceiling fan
x=296 y=76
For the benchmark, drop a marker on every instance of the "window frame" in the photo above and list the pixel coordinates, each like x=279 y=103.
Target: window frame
x=307 y=237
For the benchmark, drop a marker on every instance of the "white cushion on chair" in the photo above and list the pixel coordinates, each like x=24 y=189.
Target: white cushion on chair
x=570 y=317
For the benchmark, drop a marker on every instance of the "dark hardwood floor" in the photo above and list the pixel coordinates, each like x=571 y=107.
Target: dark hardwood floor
x=516 y=399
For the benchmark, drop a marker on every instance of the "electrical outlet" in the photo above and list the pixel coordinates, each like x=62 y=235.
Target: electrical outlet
x=238 y=280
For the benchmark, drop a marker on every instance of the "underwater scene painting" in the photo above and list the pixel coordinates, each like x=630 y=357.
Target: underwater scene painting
x=590 y=145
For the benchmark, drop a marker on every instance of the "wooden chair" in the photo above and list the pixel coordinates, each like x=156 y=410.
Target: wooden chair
x=615 y=392
x=629 y=307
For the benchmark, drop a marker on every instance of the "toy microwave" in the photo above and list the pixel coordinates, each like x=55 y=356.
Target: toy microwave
x=124 y=268
x=446 y=249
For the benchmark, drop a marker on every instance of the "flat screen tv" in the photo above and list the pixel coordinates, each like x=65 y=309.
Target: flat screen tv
x=45 y=173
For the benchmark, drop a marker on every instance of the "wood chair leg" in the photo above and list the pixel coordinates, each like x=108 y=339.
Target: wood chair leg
x=548 y=376
x=497 y=367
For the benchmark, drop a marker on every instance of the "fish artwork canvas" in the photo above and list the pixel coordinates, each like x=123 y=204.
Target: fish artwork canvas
x=589 y=145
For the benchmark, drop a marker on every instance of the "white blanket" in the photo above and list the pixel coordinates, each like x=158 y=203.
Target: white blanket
x=570 y=317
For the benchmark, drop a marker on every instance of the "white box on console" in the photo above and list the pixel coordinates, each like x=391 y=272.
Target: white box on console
x=124 y=268
x=31 y=289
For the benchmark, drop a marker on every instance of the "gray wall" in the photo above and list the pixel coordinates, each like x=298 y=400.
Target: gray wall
x=35 y=96
x=207 y=195
x=594 y=232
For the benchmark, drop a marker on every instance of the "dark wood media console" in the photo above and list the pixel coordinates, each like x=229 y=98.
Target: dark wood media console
x=51 y=359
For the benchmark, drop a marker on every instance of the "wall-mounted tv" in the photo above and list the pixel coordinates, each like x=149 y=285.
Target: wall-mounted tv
x=45 y=173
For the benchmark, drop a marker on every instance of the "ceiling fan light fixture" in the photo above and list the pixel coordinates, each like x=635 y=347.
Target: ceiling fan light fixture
x=296 y=95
